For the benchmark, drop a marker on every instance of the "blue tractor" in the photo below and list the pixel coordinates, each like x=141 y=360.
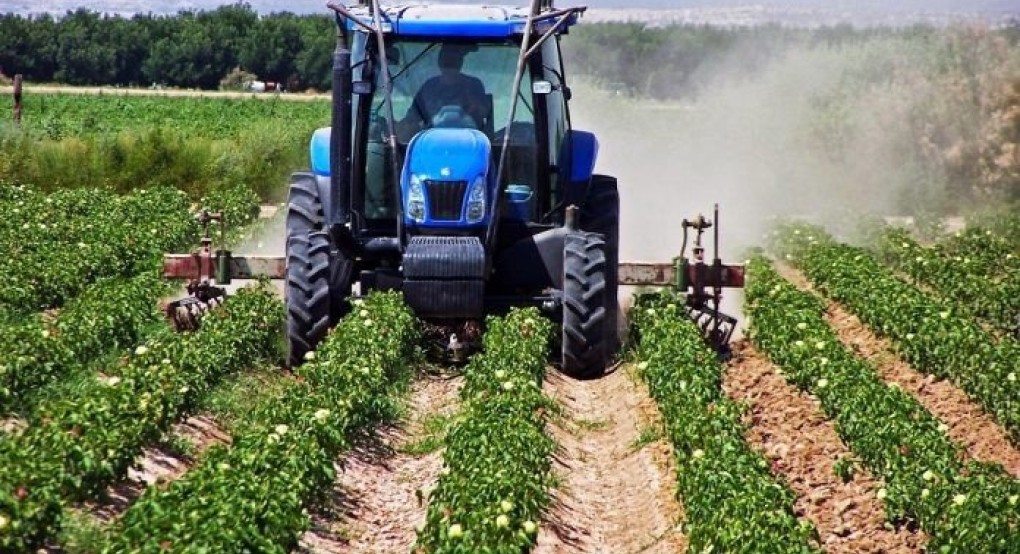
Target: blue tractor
x=451 y=172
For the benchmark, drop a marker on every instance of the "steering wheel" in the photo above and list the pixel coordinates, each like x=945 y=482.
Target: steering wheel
x=453 y=116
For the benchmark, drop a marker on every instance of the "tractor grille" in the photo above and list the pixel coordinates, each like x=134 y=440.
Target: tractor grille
x=446 y=199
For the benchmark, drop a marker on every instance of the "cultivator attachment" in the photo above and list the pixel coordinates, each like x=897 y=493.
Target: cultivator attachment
x=701 y=282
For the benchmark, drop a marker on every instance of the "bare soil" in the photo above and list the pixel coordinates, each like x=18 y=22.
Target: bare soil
x=160 y=464
x=617 y=496
x=381 y=493
x=968 y=424
x=791 y=430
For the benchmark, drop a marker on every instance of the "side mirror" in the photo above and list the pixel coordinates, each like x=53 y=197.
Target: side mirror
x=363 y=87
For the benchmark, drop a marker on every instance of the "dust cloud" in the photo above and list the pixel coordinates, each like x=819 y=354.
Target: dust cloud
x=751 y=144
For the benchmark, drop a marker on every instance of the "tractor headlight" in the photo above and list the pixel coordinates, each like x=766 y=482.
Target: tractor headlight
x=416 y=200
x=476 y=201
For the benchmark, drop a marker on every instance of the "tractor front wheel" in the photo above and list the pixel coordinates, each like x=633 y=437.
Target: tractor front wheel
x=308 y=293
x=585 y=344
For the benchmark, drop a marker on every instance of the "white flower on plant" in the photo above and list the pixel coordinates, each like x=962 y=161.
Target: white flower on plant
x=1014 y=499
x=281 y=429
x=943 y=428
x=364 y=370
x=321 y=415
x=506 y=506
x=82 y=245
x=46 y=333
x=910 y=336
x=906 y=245
x=529 y=527
x=500 y=374
x=363 y=313
x=456 y=531
x=928 y=475
x=650 y=311
x=959 y=499
x=820 y=345
x=881 y=494
x=925 y=493
x=823 y=360
x=698 y=454
x=369 y=323
x=919 y=259
x=223 y=466
x=309 y=356
x=822 y=383
x=4 y=522
x=113 y=381
x=944 y=314
x=141 y=350
x=802 y=326
x=508 y=385
x=1011 y=377
x=502 y=521
x=799 y=344
x=642 y=366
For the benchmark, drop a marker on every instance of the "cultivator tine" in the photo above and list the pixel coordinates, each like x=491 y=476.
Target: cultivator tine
x=186 y=314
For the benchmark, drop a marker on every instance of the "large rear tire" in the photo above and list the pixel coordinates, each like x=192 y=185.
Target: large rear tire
x=601 y=214
x=308 y=294
x=585 y=351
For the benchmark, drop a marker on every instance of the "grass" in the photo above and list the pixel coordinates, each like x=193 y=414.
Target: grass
x=238 y=394
x=431 y=436
x=649 y=433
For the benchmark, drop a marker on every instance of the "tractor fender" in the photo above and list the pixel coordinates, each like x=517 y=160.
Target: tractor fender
x=533 y=263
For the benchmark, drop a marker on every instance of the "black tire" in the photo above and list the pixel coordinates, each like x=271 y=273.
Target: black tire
x=584 y=348
x=601 y=214
x=304 y=207
x=308 y=294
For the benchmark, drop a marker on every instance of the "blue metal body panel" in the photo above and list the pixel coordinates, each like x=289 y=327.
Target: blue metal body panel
x=458 y=21
x=319 y=148
x=584 y=150
x=447 y=155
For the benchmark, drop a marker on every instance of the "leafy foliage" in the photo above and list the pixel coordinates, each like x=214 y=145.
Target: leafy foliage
x=497 y=459
x=732 y=501
x=929 y=333
x=963 y=507
x=75 y=447
x=250 y=497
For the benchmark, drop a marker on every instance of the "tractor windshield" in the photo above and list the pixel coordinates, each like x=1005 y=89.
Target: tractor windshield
x=444 y=84
x=454 y=84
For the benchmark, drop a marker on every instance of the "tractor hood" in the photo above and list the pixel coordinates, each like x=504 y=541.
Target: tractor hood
x=445 y=180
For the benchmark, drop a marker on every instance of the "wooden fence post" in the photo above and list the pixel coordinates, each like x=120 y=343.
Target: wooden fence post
x=17 y=100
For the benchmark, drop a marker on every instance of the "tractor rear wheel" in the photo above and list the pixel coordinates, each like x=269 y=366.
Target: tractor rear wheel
x=308 y=294
x=601 y=214
x=584 y=340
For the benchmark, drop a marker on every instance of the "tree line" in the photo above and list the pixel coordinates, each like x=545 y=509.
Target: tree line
x=198 y=49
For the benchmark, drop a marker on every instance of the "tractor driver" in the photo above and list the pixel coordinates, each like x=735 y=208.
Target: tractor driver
x=449 y=88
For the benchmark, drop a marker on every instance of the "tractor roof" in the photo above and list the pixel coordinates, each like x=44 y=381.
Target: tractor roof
x=458 y=20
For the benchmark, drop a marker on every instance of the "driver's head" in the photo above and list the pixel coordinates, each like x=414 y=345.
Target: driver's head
x=451 y=56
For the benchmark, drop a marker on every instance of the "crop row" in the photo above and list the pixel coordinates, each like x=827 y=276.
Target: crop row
x=61 y=115
x=59 y=244
x=497 y=460
x=981 y=252
x=109 y=315
x=732 y=502
x=75 y=447
x=927 y=332
x=956 y=279
x=252 y=496
x=964 y=508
